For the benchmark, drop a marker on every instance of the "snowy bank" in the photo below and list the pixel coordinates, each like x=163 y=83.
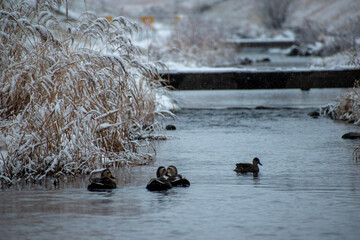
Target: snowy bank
x=75 y=96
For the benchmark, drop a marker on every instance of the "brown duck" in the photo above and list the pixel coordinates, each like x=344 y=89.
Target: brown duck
x=176 y=179
x=248 y=167
x=159 y=183
x=105 y=183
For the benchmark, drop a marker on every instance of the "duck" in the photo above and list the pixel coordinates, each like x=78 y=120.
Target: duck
x=176 y=179
x=160 y=183
x=248 y=167
x=104 y=183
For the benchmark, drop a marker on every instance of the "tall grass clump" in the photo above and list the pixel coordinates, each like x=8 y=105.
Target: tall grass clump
x=274 y=13
x=74 y=95
x=199 y=41
x=344 y=40
x=347 y=108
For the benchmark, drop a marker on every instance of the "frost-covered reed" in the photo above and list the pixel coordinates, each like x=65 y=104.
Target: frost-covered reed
x=74 y=95
x=198 y=41
x=274 y=13
x=347 y=108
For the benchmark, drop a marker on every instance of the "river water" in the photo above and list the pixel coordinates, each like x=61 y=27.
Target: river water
x=308 y=186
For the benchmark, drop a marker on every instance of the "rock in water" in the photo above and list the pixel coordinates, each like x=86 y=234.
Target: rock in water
x=351 y=135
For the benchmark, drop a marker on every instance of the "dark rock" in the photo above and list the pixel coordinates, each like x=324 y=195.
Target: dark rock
x=308 y=53
x=246 y=61
x=294 y=52
x=262 y=107
x=263 y=60
x=314 y=114
x=170 y=127
x=351 y=135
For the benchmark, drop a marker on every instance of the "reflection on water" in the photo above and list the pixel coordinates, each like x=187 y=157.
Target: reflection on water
x=308 y=186
x=285 y=98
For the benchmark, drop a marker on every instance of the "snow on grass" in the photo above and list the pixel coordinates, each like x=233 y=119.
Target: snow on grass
x=347 y=107
x=73 y=94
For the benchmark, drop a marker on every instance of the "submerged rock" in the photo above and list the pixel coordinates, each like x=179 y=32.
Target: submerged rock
x=314 y=114
x=260 y=107
x=295 y=51
x=170 y=127
x=246 y=61
x=263 y=60
x=351 y=135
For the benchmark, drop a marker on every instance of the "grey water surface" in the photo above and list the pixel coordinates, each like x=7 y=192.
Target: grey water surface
x=308 y=186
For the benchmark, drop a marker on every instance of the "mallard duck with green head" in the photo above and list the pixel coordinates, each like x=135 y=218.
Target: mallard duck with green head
x=104 y=183
x=176 y=179
x=159 y=183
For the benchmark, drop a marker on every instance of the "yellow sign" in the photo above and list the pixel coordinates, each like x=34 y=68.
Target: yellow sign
x=147 y=20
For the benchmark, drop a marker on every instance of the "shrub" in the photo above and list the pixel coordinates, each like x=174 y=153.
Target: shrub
x=200 y=42
x=274 y=13
x=75 y=96
x=333 y=42
x=347 y=108
x=344 y=40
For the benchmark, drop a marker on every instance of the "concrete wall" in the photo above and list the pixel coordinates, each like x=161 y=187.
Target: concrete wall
x=262 y=79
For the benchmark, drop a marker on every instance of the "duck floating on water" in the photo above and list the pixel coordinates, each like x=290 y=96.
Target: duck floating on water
x=159 y=183
x=176 y=179
x=248 y=167
x=104 y=183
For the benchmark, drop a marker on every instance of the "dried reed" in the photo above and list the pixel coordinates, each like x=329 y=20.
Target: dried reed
x=74 y=95
x=347 y=108
x=200 y=42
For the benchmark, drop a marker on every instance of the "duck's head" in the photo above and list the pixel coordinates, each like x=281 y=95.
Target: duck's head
x=171 y=171
x=107 y=174
x=256 y=161
x=161 y=171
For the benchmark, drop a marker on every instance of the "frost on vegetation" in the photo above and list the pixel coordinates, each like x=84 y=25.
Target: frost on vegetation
x=347 y=108
x=274 y=13
x=72 y=93
x=315 y=39
x=197 y=41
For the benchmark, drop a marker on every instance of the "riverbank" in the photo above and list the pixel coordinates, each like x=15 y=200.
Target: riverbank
x=76 y=95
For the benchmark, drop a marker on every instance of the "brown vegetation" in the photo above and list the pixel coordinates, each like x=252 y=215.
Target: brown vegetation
x=75 y=96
